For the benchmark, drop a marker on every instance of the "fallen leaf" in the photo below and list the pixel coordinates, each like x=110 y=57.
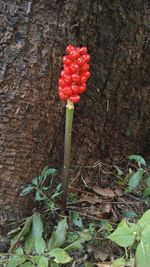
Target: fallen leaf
x=119 y=191
x=100 y=253
x=106 y=208
x=105 y=192
x=107 y=264
x=90 y=199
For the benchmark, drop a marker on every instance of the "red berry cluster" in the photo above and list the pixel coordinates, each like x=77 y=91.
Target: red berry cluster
x=74 y=74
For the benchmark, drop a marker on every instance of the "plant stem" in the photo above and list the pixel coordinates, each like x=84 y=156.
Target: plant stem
x=67 y=152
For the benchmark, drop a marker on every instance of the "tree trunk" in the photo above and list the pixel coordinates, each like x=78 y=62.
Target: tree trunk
x=112 y=119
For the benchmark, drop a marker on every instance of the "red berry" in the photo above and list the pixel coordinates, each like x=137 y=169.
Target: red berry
x=81 y=61
x=74 y=67
x=86 y=58
x=75 y=89
x=74 y=99
x=74 y=55
x=67 y=60
x=85 y=67
x=87 y=74
x=61 y=82
x=63 y=96
x=67 y=80
x=82 y=88
x=83 y=51
x=69 y=48
x=67 y=70
x=83 y=79
x=67 y=91
x=75 y=78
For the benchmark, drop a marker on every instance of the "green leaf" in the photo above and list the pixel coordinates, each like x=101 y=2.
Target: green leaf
x=148 y=181
x=84 y=236
x=59 y=236
x=26 y=190
x=138 y=159
x=135 y=179
x=40 y=245
x=142 y=255
x=26 y=264
x=60 y=255
x=119 y=262
x=76 y=219
x=146 y=192
x=25 y=230
x=145 y=235
x=43 y=262
x=38 y=196
x=34 y=240
x=123 y=235
x=19 y=251
x=118 y=170
x=54 y=264
x=45 y=173
x=35 y=181
x=129 y=214
x=145 y=218
x=15 y=260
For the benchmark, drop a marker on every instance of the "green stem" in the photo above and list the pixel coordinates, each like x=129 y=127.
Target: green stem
x=67 y=152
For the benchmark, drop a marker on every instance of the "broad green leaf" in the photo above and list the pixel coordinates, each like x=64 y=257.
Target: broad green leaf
x=16 y=260
x=123 y=235
x=138 y=159
x=143 y=255
x=60 y=255
x=26 y=264
x=76 y=219
x=119 y=262
x=40 y=245
x=146 y=192
x=25 y=230
x=26 y=190
x=77 y=245
x=29 y=243
x=46 y=172
x=145 y=218
x=148 y=181
x=43 y=262
x=145 y=235
x=35 y=181
x=135 y=228
x=129 y=214
x=54 y=264
x=35 y=259
x=135 y=179
x=59 y=236
x=34 y=240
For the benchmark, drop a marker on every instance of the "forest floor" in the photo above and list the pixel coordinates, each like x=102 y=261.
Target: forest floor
x=99 y=197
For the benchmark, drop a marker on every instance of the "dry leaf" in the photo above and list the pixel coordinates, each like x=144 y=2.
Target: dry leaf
x=90 y=199
x=105 y=192
x=118 y=191
x=100 y=254
x=106 y=208
x=107 y=264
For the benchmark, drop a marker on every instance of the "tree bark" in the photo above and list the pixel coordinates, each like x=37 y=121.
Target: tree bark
x=112 y=119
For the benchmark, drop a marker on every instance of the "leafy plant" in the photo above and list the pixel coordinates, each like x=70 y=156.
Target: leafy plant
x=34 y=251
x=40 y=188
x=127 y=235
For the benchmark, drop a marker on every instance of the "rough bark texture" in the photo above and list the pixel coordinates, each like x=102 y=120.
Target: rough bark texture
x=112 y=119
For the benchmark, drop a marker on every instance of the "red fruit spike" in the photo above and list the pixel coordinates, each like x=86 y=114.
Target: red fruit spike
x=74 y=99
x=74 y=54
x=87 y=74
x=67 y=60
x=86 y=58
x=75 y=78
x=75 y=89
x=67 y=91
x=82 y=88
x=59 y=89
x=69 y=48
x=74 y=67
x=63 y=96
x=61 y=83
x=85 y=67
x=83 y=51
x=67 y=70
